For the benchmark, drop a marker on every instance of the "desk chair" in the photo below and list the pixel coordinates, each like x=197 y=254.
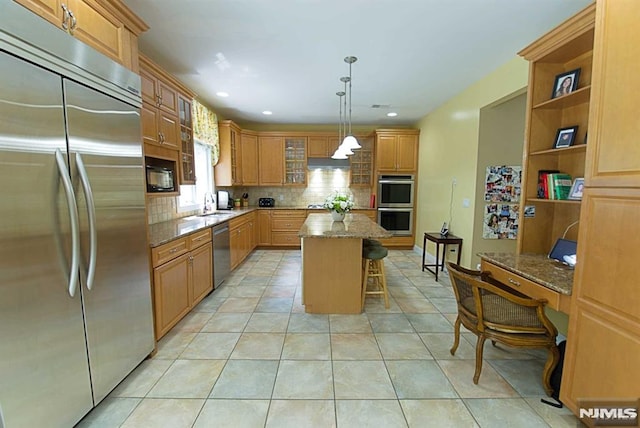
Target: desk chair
x=491 y=310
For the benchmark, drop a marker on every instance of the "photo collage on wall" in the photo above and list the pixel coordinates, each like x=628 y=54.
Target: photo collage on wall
x=502 y=194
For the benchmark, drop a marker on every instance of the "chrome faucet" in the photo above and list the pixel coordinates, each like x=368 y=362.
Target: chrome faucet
x=208 y=203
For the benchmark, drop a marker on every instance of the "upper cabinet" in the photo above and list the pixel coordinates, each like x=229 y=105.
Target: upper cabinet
x=397 y=150
x=271 y=170
x=249 y=155
x=108 y=26
x=167 y=123
x=295 y=161
x=564 y=50
x=321 y=146
x=228 y=170
x=187 y=164
x=361 y=163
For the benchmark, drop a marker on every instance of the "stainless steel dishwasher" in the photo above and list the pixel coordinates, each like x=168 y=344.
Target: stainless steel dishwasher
x=221 y=253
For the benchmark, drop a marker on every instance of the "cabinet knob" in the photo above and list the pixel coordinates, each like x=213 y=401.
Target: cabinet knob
x=514 y=282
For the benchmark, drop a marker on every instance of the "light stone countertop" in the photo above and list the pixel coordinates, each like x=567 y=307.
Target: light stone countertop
x=535 y=267
x=353 y=226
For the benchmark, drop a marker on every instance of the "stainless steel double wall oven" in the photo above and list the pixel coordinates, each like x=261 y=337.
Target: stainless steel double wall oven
x=395 y=203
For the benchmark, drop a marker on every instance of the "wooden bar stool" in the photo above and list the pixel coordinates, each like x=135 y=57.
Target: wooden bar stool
x=373 y=266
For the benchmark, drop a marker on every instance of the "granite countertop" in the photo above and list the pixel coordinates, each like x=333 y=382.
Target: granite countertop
x=535 y=267
x=353 y=226
x=161 y=233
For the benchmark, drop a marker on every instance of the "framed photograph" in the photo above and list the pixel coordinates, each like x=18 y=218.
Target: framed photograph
x=576 y=189
x=565 y=137
x=565 y=83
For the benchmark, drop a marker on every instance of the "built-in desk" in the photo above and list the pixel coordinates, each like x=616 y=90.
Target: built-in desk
x=534 y=275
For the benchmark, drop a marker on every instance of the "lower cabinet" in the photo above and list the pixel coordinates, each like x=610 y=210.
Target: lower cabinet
x=182 y=277
x=285 y=225
x=242 y=237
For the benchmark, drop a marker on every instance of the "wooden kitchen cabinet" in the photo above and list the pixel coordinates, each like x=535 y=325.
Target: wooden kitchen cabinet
x=107 y=26
x=182 y=277
x=603 y=339
x=397 y=150
x=270 y=153
x=295 y=161
x=264 y=227
x=159 y=128
x=285 y=225
x=361 y=163
x=321 y=146
x=228 y=170
x=242 y=237
x=187 y=159
x=249 y=158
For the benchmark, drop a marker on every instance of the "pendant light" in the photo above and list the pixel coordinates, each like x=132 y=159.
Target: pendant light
x=350 y=142
x=339 y=153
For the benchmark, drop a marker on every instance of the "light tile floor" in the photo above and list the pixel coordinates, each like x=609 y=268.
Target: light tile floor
x=249 y=356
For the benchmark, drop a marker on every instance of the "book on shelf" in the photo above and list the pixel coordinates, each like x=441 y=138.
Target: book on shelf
x=543 y=187
x=561 y=185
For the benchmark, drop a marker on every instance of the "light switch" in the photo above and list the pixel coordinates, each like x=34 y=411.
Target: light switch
x=466 y=202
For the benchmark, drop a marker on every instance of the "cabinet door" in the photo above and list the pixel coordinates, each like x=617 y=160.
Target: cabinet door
x=249 y=155
x=148 y=85
x=187 y=165
x=100 y=29
x=201 y=272
x=604 y=327
x=51 y=10
x=170 y=130
x=270 y=153
x=149 y=120
x=171 y=293
x=406 y=153
x=386 y=152
x=318 y=147
x=613 y=152
x=264 y=227
x=168 y=98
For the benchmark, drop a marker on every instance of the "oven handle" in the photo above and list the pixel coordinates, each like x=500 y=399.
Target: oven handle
x=410 y=209
x=395 y=181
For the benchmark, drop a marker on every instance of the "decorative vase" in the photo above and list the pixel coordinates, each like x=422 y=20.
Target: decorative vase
x=336 y=216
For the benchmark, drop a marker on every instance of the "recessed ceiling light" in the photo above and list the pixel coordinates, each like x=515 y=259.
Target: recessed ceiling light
x=392 y=114
x=222 y=94
x=267 y=112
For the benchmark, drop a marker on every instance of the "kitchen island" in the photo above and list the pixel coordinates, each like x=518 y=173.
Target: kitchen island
x=332 y=262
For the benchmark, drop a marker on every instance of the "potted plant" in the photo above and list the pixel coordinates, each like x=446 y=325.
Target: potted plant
x=338 y=204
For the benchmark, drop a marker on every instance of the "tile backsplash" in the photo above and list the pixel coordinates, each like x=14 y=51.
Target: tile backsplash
x=320 y=184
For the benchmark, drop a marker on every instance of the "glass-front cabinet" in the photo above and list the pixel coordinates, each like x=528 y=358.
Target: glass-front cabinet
x=295 y=160
x=186 y=141
x=362 y=163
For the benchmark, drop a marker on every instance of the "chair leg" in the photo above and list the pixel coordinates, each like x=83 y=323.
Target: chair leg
x=552 y=362
x=364 y=281
x=456 y=336
x=383 y=282
x=479 y=351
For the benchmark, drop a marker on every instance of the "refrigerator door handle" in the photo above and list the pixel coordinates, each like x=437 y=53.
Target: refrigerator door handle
x=73 y=217
x=91 y=213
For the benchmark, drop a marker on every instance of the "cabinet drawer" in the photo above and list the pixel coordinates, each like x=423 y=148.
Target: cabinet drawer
x=198 y=238
x=169 y=251
x=287 y=224
x=523 y=285
x=285 y=238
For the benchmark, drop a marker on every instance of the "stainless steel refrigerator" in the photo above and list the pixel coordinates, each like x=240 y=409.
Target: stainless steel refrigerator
x=75 y=298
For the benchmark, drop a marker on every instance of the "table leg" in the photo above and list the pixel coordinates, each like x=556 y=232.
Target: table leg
x=459 y=252
x=437 y=259
x=424 y=250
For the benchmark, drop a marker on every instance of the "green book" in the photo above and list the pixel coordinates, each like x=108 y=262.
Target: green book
x=561 y=186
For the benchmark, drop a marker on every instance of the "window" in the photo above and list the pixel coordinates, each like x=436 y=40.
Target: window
x=192 y=197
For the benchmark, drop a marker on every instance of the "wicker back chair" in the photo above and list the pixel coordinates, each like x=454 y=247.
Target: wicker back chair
x=493 y=311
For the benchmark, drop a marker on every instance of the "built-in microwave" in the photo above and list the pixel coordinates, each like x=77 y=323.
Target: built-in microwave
x=160 y=179
x=395 y=191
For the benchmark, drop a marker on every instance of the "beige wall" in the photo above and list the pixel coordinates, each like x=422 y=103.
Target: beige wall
x=500 y=142
x=449 y=149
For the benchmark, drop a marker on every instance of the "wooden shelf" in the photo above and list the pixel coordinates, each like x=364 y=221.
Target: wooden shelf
x=575 y=98
x=560 y=151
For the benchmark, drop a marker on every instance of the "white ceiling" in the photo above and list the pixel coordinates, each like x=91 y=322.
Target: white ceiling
x=287 y=55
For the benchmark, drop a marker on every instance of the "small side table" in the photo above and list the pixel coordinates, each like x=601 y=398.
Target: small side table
x=439 y=240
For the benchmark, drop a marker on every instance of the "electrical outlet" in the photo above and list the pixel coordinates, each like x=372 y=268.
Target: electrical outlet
x=281 y=197
x=454 y=181
x=466 y=202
